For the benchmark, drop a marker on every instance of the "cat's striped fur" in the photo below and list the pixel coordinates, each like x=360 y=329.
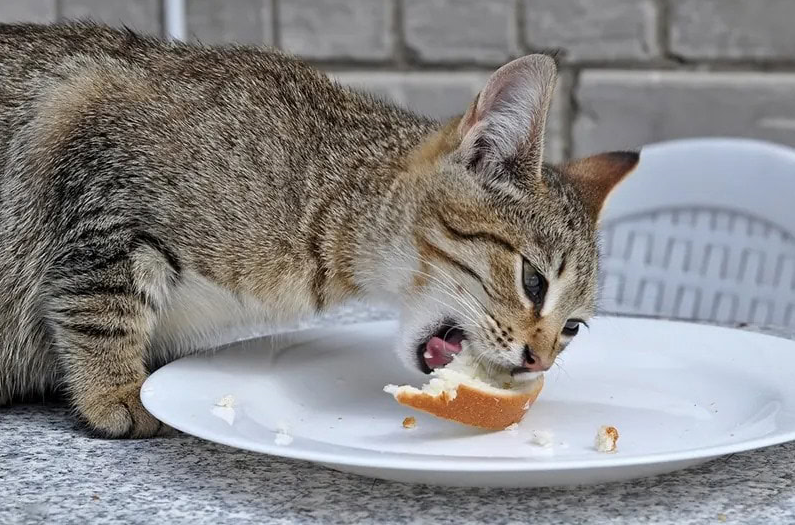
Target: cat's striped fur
x=152 y=194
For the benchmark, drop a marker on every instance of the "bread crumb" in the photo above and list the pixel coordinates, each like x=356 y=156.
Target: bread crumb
x=225 y=413
x=722 y=517
x=283 y=436
x=606 y=439
x=283 y=439
x=228 y=401
x=512 y=427
x=409 y=422
x=542 y=438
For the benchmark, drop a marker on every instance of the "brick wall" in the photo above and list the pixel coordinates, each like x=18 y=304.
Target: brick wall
x=634 y=71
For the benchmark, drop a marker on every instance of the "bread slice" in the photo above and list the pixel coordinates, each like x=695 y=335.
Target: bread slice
x=462 y=392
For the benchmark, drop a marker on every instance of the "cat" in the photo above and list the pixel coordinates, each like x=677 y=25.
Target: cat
x=155 y=193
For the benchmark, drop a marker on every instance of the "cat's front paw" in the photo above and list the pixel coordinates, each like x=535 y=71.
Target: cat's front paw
x=118 y=413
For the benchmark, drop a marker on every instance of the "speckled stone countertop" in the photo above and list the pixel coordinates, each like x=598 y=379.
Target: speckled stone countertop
x=51 y=472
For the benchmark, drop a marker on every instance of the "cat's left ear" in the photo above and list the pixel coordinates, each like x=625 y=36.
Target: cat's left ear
x=502 y=132
x=596 y=176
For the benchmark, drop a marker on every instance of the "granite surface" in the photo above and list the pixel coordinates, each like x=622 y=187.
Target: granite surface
x=52 y=472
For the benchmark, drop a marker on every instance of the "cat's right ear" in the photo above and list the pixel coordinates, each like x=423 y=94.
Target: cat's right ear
x=597 y=176
x=502 y=132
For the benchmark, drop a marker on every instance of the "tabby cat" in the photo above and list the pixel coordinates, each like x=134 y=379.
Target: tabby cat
x=154 y=194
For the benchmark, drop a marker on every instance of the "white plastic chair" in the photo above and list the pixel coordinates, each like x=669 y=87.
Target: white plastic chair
x=703 y=230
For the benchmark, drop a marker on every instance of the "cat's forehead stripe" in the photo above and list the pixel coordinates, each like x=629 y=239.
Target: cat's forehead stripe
x=490 y=237
x=557 y=284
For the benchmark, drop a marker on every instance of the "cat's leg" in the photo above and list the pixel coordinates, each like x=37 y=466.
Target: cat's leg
x=105 y=301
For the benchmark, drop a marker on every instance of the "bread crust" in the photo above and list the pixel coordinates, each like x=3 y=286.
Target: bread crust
x=471 y=406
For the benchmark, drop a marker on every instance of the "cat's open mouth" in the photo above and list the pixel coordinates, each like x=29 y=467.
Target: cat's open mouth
x=438 y=349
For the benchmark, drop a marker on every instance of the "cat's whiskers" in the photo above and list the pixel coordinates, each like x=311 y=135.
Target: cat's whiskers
x=450 y=280
x=448 y=290
x=559 y=363
x=472 y=299
x=480 y=359
x=473 y=323
x=419 y=305
x=477 y=309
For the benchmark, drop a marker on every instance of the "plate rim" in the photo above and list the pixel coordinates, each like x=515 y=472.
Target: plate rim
x=398 y=461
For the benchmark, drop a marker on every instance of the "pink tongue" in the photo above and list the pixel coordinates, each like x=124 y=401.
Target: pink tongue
x=439 y=352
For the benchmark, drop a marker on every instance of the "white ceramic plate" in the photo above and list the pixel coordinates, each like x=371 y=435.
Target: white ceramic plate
x=679 y=394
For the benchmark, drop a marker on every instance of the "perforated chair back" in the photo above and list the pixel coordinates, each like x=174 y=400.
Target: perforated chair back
x=703 y=230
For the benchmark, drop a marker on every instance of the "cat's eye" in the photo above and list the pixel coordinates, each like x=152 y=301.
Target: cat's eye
x=571 y=327
x=535 y=286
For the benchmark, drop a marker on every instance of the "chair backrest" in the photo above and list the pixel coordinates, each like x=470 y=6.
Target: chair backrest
x=704 y=230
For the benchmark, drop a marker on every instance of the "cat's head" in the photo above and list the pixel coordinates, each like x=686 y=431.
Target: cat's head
x=505 y=247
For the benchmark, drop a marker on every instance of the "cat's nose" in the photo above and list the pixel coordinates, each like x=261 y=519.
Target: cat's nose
x=533 y=362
